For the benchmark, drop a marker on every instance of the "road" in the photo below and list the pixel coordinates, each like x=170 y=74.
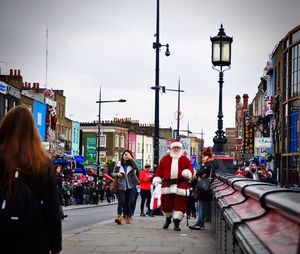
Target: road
x=81 y=219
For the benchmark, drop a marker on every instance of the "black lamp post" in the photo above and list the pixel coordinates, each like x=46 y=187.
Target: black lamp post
x=99 y=123
x=157 y=46
x=221 y=56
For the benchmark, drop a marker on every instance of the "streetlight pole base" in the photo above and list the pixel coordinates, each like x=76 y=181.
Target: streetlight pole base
x=220 y=147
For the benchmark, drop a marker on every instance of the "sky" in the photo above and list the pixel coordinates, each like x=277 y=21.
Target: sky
x=108 y=44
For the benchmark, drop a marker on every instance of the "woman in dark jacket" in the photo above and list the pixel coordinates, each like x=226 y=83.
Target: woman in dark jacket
x=126 y=172
x=25 y=165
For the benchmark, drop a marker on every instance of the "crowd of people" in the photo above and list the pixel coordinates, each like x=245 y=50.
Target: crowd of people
x=258 y=170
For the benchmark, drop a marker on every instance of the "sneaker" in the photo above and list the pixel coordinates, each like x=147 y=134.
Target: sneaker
x=195 y=227
x=143 y=215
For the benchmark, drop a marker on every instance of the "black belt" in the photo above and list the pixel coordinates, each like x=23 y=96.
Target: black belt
x=173 y=181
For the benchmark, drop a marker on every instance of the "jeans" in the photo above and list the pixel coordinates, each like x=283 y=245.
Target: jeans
x=201 y=213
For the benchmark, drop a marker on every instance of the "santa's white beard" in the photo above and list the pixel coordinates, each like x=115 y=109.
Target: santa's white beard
x=175 y=155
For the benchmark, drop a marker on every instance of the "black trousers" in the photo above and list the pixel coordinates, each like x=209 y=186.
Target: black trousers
x=146 y=197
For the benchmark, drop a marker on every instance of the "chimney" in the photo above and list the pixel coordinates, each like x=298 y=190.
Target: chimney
x=37 y=85
x=19 y=73
x=237 y=99
x=11 y=72
x=29 y=85
x=15 y=72
x=245 y=101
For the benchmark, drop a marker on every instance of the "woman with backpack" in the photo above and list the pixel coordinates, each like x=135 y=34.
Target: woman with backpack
x=29 y=215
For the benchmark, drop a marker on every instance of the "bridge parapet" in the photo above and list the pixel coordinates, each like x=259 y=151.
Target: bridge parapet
x=255 y=217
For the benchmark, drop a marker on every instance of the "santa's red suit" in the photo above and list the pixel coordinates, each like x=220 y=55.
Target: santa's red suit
x=173 y=172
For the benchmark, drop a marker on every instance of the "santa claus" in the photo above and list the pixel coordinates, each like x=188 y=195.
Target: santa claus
x=173 y=172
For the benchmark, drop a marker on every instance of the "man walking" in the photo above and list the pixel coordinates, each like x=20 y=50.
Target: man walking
x=173 y=172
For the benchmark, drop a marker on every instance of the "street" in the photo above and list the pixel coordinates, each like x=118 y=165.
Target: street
x=81 y=219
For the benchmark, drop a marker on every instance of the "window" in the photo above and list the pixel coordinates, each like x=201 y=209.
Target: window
x=295 y=70
x=293 y=130
x=6 y=107
x=116 y=156
x=138 y=147
x=286 y=77
x=122 y=141
x=39 y=118
x=133 y=146
x=296 y=36
x=129 y=145
x=102 y=140
x=117 y=140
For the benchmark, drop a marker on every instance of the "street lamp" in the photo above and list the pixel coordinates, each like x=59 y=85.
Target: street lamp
x=100 y=101
x=157 y=46
x=221 y=56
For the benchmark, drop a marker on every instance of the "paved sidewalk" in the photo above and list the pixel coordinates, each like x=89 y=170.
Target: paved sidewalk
x=143 y=235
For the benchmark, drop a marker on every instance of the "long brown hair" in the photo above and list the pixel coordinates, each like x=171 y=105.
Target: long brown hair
x=21 y=147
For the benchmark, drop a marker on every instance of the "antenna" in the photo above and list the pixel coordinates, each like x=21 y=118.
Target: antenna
x=46 y=56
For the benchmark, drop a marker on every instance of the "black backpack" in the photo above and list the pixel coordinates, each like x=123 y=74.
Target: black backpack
x=19 y=215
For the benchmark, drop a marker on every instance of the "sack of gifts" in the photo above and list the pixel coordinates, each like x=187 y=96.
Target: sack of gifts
x=155 y=201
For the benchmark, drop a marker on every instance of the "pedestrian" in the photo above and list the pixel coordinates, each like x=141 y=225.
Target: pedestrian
x=133 y=198
x=26 y=171
x=126 y=173
x=173 y=172
x=203 y=196
x=145 y=186
x=59 y=176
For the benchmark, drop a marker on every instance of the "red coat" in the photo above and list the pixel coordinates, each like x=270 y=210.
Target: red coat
x=145 y=180
x=172 y=169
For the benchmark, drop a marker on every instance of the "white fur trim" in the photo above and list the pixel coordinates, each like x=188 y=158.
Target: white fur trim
x=177 y=215
x=156 y=180
x=187 y=174
x=175 y=190
x=174 y=168
x=176 y=144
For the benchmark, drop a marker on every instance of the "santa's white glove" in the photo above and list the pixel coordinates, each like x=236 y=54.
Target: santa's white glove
x=156 y=181
x=187 y=174
x=119 y=164
x=119 y=174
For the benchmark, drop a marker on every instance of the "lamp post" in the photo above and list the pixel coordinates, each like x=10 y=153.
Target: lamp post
x=221 y=56
x=157 y=46
x=100 y=101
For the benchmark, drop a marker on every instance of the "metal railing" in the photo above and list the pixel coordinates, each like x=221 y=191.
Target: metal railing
x=255 y=217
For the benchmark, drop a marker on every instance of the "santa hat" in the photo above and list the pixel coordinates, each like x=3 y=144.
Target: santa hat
x=176 y=144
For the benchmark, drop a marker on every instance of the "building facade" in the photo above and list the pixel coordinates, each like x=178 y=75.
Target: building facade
x=286 y=88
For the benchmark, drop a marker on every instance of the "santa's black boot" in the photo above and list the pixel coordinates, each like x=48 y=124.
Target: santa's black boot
x=167 y=223
x=176 y=225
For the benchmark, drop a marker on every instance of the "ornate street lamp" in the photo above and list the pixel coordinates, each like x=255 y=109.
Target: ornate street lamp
x=221 y=56
x=100 y=101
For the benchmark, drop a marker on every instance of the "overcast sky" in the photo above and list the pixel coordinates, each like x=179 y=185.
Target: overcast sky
x=108 y=43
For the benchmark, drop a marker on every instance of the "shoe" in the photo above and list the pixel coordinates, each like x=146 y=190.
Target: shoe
x=150 y=214
x=167 y=223
x=143 y=215
x=176 y=225
x=195 y=227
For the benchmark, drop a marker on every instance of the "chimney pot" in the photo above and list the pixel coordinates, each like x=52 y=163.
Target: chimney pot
x=19 y=73
x=15 y=72
x=11 y=72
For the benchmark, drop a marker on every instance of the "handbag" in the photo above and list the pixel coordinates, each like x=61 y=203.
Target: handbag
x=115 y=185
